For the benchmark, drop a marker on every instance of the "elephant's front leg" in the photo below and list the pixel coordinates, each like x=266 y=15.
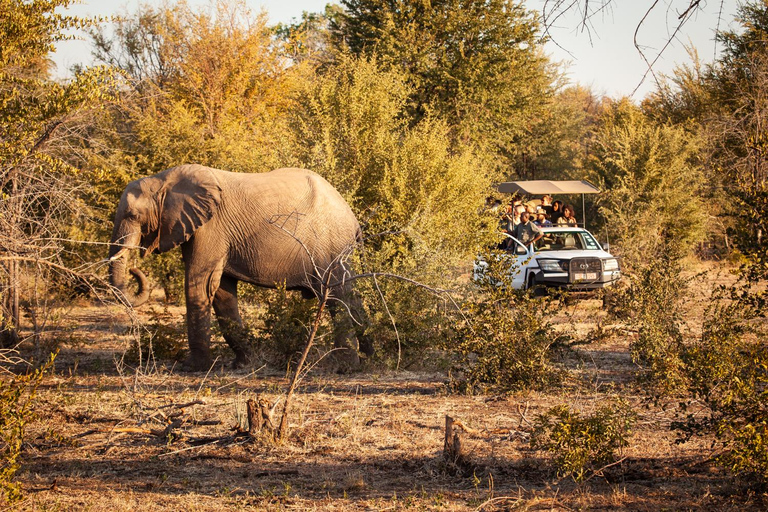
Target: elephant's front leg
x=230 y=322
x=201 y=283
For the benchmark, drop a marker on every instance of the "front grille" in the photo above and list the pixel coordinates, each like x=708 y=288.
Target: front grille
x=585 y=269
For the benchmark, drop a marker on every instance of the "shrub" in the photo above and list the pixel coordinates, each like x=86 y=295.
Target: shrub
x=583 y=444
x=506 y=339
x=284 y=328
x=17 y=398
x=728 y=372
x=652 y=304
x=167 y=270
x=162 y=338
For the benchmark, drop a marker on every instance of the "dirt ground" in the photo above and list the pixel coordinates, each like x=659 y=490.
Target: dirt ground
x=365 y=441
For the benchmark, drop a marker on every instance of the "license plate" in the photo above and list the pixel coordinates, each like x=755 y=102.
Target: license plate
x=589 y=276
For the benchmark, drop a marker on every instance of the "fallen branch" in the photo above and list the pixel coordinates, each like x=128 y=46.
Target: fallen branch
x=183 y=406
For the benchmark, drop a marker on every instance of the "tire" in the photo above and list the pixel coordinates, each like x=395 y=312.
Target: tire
x=536 y=290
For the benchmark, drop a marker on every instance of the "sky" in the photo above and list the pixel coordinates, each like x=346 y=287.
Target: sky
x=603 y=57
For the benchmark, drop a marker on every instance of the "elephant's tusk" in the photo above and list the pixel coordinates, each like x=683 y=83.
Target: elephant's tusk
x=118 y=254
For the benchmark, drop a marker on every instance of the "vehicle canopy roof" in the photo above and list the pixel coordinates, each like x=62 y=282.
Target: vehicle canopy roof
x=541 y=187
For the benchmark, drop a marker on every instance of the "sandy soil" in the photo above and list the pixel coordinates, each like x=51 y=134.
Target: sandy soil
x=366 y=441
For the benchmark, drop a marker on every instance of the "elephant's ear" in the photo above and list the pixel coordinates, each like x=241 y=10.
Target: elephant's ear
x=190 y=198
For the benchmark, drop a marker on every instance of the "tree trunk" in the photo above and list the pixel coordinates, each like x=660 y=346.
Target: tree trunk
x=9 y=329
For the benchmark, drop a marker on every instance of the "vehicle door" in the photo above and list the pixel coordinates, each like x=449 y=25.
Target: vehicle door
x=521 y=258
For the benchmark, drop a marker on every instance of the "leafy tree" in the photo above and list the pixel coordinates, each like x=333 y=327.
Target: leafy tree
x=724 y=104
x=350 y=127
x=475 y=63
x=416 y=195
x=651 y=181
x=206 y=87
x=560 y=137
x=41 y=122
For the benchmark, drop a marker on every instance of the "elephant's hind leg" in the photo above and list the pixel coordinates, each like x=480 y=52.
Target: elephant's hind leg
x=347 y=340
x=230 y=322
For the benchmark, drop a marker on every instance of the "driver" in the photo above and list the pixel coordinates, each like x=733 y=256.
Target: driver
x=527 y=232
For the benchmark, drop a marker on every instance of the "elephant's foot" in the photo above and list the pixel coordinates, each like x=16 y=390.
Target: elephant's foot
x=196 y=363
x=346 y=360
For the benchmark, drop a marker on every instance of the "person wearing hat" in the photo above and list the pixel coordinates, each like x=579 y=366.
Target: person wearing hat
x=542 y=219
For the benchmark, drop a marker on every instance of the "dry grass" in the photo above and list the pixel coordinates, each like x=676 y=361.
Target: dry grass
x=360 y=442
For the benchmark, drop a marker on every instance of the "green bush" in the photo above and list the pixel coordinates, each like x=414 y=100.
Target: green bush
x=583 y=444
x=167 y=271
x=280 y=332
x=652 y=182
x=17 y=399
x=164 y=337
x=410 y=325
x=505 y=341
x=728 y=372
x=652 y=305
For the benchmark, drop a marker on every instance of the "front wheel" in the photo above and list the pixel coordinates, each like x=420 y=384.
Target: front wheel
x=537 y=290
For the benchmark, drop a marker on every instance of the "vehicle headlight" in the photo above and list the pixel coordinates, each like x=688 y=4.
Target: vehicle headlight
x=610 y=264
x=550 y=265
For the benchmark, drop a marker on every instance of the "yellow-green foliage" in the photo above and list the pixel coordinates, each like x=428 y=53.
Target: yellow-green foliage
x=284 y=327
x=651 y=182
x=505 y=342
x=167 y=271
x=728 y=371
x=164 y=337
x=581 y=444
x=399 y=179
x=651 y=304
x=476 y=64
x=17 y=400
x=41 y=122
x=206 y=87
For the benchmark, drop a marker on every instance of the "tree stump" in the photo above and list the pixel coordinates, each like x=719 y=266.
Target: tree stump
x=452 y=449
x=259 y=418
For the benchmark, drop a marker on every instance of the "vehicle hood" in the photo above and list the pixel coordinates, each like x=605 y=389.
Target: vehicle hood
x=572 y=253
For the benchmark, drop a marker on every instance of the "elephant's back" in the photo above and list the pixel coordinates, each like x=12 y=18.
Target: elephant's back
x=292 y=213
x=304 y=192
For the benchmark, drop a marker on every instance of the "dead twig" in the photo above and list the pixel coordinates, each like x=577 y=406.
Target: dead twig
x=183 y=406
x=168 y=430
x=599 y=472
x=522 y=415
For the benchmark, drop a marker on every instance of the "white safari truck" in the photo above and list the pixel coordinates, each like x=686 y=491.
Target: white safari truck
x=564 y=257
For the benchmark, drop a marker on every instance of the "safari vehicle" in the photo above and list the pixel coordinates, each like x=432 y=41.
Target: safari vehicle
x=564 y=257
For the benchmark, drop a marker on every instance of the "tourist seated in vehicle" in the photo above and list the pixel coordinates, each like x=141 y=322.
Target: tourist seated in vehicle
x=527 y=232
x=568 y=218
x=557 y=212
x=542 y=219
x=546 y=204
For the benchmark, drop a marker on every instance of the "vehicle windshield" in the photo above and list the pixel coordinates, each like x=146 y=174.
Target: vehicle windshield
x=566 y=240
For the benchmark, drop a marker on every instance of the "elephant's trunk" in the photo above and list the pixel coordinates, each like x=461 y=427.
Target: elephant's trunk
x=118 y=255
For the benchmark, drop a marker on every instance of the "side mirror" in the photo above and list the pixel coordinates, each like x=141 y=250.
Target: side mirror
x=606 y=247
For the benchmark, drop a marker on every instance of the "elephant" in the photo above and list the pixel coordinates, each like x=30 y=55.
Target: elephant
x=285 y=226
